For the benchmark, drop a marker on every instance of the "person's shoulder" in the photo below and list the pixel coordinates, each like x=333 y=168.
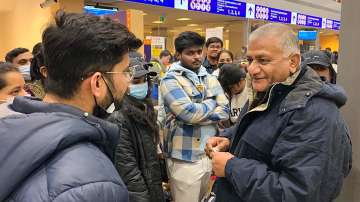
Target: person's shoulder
x=81 y=172
x=82 y=168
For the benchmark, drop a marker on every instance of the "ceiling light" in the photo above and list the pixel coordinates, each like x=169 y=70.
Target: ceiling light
x=183 y=19
x=157 y=22
x=220 y=27
x=198 y=29
x=192 y=25
x=144 y=13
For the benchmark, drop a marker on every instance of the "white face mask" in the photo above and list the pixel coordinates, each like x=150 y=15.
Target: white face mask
x=111 y=108
x=25 y=72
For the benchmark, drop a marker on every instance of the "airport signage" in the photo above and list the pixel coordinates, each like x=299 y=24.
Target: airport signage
x=238 y=8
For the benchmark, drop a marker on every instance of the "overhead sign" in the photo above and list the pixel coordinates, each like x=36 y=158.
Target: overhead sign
x=223 y=7
x=309 y=20
x=231 y=8
x=238 y=8
x=181 y=4
x=294 y=18
x=329 y=24
x=250 y=10
x=166 y=3
x=336 y=25
x=272 y=14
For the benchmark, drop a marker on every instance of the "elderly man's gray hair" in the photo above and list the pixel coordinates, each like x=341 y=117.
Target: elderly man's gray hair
x=288 y=41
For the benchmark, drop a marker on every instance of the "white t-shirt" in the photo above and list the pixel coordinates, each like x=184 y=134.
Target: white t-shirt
x=237 y=103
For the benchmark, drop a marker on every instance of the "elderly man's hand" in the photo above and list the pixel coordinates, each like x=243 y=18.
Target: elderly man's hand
x=219 y=160
x=215 y=144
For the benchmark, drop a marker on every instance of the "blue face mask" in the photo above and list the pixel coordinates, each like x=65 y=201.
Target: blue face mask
x=25 y=72
x=139 y=91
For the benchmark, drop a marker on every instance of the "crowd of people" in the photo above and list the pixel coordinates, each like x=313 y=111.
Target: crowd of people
x=78 y=120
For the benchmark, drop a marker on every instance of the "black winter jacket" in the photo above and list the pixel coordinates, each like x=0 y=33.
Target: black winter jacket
x=53 y=152
x=136 y=156
x=295 y=149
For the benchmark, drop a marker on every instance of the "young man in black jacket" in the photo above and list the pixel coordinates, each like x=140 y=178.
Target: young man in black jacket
x=58 y=150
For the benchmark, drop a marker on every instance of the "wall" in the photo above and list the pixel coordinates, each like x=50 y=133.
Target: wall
x=331 y=41
x=23 y=21
x=348 y=77
x=22 y=24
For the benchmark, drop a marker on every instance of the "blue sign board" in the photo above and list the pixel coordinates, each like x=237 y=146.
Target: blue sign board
x=224 y=7
x=329 y=24
x=272 y=14
x=238 y=8
x=336 y=25
x=307 y=35
x=99 y=11
x=308 y=20
x=166 y=3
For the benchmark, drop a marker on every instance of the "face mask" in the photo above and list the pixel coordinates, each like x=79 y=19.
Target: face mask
x=139 y=91
x=25 y=72
x=101 y=111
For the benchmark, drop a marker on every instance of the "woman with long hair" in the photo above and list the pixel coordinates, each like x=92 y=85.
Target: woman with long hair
x=136 y=157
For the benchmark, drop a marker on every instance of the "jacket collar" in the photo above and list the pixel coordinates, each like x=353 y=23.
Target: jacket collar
x=176 y=67
x=109 y=132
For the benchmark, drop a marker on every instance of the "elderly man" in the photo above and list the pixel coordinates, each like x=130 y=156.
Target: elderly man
x=292 y=143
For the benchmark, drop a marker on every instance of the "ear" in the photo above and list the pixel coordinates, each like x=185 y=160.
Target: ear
x=96 y=83
x=43 y=71
x=295 y=61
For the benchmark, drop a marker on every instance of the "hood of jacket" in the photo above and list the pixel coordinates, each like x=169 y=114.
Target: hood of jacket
x=307 y=85
x=193 y=76
x=34 y=131
x=303 y=85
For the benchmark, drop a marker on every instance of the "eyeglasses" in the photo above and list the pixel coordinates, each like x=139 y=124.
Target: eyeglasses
x=129 y=74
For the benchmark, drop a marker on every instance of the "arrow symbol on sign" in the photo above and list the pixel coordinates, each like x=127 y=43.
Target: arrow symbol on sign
x=250 y=10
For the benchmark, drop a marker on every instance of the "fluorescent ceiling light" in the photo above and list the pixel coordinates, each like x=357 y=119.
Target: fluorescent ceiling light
x=157 y=22
x=192 y=25
x=183 y=19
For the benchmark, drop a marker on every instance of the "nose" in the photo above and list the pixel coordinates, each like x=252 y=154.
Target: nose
x=23 y=93
x=253 y=68
x=197 y=56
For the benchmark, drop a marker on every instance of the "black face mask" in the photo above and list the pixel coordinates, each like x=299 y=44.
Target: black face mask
x=104 y=111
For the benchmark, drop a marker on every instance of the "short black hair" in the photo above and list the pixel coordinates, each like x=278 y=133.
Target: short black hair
x=188 y=39
x=213 y=40
x=230 y=74
x=37 y=62
x=80 y=44
x=6 y=67
x=14 y=53
x=165 y=53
